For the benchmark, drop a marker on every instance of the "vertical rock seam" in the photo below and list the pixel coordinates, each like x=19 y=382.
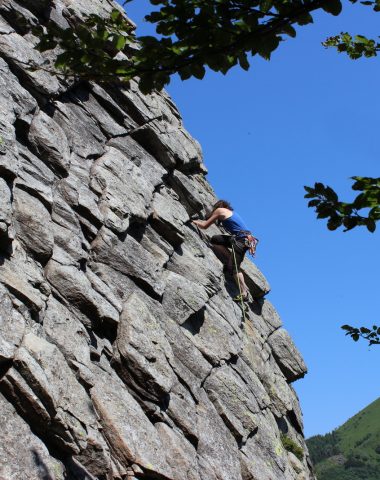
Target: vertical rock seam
x=122 y=354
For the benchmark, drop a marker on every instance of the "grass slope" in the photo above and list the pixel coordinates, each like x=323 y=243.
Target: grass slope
x=351 y=452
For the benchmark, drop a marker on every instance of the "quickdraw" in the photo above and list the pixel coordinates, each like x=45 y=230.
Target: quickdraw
x=250 y=242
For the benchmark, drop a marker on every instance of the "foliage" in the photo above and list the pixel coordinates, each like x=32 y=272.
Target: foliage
x=331 y=471
x=323 y=446
x=291 y=446
x=326 y=201
x=353 y=446
x=371 y=335
x=356 y=46
x=191 y=35
x=327 y=205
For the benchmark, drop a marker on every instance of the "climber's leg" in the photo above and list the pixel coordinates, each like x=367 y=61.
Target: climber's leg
x=222 y=253
x=239 y=279
x=238 y=253
x=220 y=244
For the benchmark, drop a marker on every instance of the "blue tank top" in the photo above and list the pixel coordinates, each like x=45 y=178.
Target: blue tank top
x=234 y=225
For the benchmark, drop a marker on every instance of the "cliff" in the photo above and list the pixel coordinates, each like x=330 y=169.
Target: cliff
x=122 y=354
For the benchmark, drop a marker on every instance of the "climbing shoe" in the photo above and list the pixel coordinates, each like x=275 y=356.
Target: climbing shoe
x=241 y=298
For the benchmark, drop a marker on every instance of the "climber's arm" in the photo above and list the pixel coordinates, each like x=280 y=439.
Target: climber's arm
x=203 y=224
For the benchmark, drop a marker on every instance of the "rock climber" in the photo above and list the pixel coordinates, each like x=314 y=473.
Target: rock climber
x=230 y=248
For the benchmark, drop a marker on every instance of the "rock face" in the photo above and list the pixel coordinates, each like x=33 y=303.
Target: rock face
x=122 y=354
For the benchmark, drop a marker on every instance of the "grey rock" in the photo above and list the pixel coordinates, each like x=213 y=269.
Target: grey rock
x=182 y=409
x=129 y=258
x=57 y=396
x=145 y=352
x=103 y=289
x=108 y=104
x=76 y=188
x=287 y=356
x=193 y=191
x=17 y=102
x=132 y=438
x=64 y=330
x=235 y=403
x=21 y=276
x=180 y=454
x=68 y=247
x=150 y=169
x=197 y=263
x=296 y=417
x=124 y=191
x=85 y=137
x=76 y=289
x=20 y=52
x=102 y=8
x=109 y=127
x=253 y=383
x=121 y=285
x=277 y=387
x=212 y=335
x=5 y=202
x=23 y=454
x=217 y=450
x=263 y=454
x=62 y=212
x=12 y=327
x=161 y=250
x=162 y=133
x=182 y=297
x=50 y=142
x=33 y=225
x=224 y=306
x=189 y=364
x=169 y=217
x=34 y=176
x=5 y=28
x=255 y=280
x=146 y=107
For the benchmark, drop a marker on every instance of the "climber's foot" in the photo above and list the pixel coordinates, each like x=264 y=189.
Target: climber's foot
x=241 y=298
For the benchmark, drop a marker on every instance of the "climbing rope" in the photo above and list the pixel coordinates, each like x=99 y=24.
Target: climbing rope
x=238 y=282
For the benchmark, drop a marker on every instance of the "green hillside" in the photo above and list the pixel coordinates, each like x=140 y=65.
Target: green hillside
x=352 y=451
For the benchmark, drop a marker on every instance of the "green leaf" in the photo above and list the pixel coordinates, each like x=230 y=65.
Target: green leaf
x=371 y=225
x=364 y=330
x=198 y=71
x=289 y=30
x=243 y=61
x=266 y=5
x=332 y=6
x=304 y=19
x=115 y=14
x=120 y=42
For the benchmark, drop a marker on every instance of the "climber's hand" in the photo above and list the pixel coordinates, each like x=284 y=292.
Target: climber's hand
x=198 y=223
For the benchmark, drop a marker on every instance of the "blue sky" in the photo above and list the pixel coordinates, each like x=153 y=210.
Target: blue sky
x=307 y=115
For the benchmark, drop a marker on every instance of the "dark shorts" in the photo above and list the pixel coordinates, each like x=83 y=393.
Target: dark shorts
x=239 y=248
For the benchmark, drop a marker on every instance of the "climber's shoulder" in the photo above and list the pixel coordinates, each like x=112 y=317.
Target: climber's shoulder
x=222 y=213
